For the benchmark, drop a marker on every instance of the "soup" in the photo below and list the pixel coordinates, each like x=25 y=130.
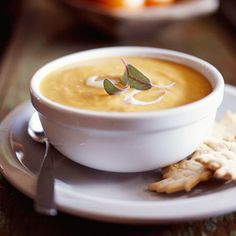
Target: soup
x=81 y=85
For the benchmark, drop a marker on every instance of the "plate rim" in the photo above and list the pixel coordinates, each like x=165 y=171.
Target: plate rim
x=108 y=210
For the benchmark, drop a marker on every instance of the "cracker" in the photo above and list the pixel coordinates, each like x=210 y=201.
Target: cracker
x=226 y=128
x=218 y=152
x=215 y=157
x=219 y=157
x=184 y=175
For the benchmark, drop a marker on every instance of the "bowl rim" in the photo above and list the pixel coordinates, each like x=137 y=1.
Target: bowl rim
x=217 y=88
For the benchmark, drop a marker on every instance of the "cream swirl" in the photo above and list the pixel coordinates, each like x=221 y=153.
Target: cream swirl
x=130 y=99
x=130 y=96
x=163 y=86
x=93 y=82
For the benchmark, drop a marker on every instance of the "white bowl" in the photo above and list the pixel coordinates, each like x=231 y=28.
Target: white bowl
x=128 y=142
x=127 y=23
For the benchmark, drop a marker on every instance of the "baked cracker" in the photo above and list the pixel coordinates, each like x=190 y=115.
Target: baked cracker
x=226 y=128
x=183 y=175
x=215 y=157
x=219 y=157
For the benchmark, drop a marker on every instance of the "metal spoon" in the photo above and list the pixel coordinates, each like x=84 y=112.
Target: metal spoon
x=44 y=200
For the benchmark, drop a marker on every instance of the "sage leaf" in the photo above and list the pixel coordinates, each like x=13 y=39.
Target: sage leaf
x=131 y=77
x=136 y=79
x=124 y=78
x=111 y=88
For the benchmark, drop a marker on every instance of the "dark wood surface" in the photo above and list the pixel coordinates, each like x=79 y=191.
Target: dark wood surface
x=46 y=30
x=228 y=9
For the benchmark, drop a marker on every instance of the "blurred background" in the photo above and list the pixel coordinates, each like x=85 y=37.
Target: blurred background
x=34 y=32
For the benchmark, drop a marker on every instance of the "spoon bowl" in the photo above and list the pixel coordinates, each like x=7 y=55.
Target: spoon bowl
x=35 y=129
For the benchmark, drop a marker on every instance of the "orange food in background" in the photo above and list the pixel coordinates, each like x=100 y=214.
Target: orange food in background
x=132 y=4
x=158 y=2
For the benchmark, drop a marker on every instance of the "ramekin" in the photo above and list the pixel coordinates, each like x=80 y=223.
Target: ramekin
x=128 y=141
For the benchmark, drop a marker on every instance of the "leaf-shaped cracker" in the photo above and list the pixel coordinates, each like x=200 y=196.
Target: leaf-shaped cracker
x=215 y=157
x=181 y=176
x=226 y=128
x=220 y=156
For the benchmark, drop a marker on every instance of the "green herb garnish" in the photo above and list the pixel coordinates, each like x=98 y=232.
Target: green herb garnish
x=136 y=79
x=111 y=88
x=132 y=78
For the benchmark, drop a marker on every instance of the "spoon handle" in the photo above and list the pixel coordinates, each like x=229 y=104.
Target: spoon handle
x=44 y=201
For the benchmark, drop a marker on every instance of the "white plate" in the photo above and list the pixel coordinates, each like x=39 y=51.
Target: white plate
x=106 y=196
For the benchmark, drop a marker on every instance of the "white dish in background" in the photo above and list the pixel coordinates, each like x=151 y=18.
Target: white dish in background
x=120 y=198
x=127 y=23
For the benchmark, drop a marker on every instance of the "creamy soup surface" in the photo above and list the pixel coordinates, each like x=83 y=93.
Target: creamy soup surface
x=69 y=86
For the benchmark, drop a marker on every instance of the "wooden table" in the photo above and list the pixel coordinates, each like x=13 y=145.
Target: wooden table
x=44 y=31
